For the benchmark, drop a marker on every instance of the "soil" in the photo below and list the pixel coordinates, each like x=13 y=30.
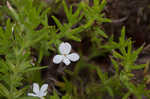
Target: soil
x=134 y=15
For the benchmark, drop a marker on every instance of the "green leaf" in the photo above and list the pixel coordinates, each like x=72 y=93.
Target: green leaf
x=126 y=95
x=4 y=91
x=27 y=97
x=67 y=12
x=110 y=91
x=102 y=5
x=122 y=37
x=20 y=92
x=55 y=96
x=100 y=32
x=57 y=22
x=66 y=97
x=136 y=67
x=117 y=55
x=36 y=68
x=101 y=75
x=115 y=65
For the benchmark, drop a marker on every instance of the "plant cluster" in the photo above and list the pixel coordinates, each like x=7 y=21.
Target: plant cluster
x=25 y=33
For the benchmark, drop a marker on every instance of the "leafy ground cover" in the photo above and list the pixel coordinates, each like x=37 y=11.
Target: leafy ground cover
x=74 y=49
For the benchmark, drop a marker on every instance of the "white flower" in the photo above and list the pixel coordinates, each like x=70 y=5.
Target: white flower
x=39 y=92
x=65 y=49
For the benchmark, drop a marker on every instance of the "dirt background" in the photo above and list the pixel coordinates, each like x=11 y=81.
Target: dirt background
x=134 y=14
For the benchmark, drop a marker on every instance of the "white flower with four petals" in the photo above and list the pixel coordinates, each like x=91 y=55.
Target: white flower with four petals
x=65 y=49
x=39 y=92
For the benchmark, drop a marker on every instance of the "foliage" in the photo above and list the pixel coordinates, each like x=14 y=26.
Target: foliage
x=26 y=32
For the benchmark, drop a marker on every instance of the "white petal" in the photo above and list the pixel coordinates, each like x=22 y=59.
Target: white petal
x=36 y=88
x=43 y=90
x=31 y=94
x=65 y=48
x=57 y=59
x=73 y=57
x=43 y=94
x=66 y=61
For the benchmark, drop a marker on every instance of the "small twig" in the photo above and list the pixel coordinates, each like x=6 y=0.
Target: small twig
x=120 y=20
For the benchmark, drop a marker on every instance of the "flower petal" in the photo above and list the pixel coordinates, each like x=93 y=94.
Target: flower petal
x=65 y=48
x=36 y=88
x=44 y=94
x=73 y=57
x=43 y=90
x=32 y=94
x=66 y=61
x=57 y=59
